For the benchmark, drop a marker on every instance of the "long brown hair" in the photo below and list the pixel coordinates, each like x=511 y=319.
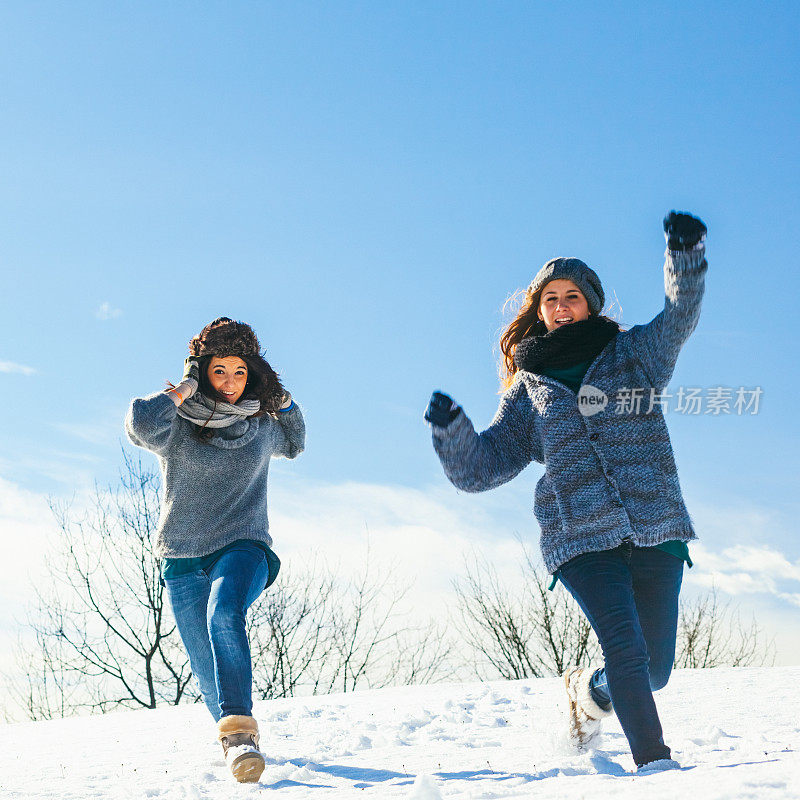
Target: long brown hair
x=525 y=323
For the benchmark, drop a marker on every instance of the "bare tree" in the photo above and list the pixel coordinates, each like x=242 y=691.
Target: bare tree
x=531 y=632
x=289 y=632
x=525 y=634
x=315 y=633
x=364 y=636
x=712 y=634
x=425 y=654
x=102 y=637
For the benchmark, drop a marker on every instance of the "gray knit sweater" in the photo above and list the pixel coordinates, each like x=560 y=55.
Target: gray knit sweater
x=216 y=492
x=610 y=476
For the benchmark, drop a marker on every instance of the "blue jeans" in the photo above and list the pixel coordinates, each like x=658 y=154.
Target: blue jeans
x=630 y=597
x=210 y=607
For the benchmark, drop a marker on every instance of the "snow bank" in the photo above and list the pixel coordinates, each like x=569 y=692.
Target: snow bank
x=735 y=732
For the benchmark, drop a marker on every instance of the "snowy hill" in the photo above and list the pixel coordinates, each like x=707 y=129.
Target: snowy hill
x=736 y=733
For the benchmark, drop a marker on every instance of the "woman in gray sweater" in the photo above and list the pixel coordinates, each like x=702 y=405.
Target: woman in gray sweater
x=214 y=435
x=584 y=398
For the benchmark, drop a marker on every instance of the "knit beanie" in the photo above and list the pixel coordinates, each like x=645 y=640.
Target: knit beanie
x=572 y=269
x=225 y=337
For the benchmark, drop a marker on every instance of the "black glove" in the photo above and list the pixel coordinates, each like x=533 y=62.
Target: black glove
x=442 y=410
x=683 y=231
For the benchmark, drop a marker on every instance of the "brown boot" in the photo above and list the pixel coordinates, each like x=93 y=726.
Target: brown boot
x=239 y=738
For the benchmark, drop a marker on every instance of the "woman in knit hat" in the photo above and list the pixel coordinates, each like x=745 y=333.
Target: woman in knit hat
x=214 y=435
x=582 y=398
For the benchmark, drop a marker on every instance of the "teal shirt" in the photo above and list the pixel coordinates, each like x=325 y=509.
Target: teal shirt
x=175 y=567
x=572 y=378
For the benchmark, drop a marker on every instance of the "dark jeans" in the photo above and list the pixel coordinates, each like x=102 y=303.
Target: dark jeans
x=210 y=607
x=630 y=597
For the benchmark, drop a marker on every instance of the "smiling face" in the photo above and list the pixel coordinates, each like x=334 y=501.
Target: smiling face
x=562 y=303
x=228 y=376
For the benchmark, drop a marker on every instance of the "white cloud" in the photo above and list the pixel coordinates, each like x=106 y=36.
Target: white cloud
x=26 y=522
x=26 y=527
x=107 y=311
x=746 y=550
x=423 y=537
x=67 y=469
x=103 y=427
x=12 y=367
x=104 y=432
x=794 y=599
x=428 y=534
x=747 y=569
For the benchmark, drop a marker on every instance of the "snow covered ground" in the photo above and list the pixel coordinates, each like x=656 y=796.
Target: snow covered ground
x=736 y=733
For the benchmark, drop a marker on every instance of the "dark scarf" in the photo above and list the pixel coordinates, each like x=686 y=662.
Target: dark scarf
x=565 y=346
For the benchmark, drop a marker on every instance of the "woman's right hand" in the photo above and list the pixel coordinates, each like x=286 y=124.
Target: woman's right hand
x=442 y=410
x=189 y=382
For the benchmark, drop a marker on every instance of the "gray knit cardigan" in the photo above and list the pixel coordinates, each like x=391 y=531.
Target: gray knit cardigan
x=216 y=492
x=609 y=476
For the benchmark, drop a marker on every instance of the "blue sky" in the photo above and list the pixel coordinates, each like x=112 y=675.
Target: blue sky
x=366 y=183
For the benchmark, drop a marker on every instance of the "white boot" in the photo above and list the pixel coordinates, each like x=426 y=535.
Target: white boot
x=660 y=765
x=584 y=713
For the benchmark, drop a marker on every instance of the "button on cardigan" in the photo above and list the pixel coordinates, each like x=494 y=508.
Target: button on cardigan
x=610 y=476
